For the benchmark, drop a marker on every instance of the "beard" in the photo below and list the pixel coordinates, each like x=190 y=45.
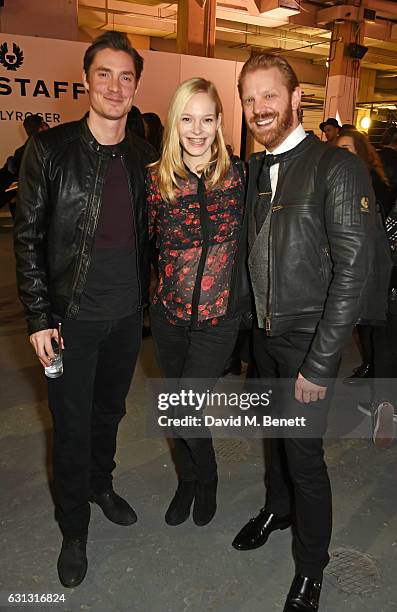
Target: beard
x=274 y=136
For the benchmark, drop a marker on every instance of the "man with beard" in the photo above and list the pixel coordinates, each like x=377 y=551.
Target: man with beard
x=81 y=245
x=310 y=217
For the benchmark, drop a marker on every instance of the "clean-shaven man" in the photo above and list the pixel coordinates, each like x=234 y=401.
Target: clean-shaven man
x=81 y=249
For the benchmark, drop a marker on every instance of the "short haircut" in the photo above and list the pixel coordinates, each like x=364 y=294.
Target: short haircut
x=118 y=42
x=33 y=124
x=265 y=61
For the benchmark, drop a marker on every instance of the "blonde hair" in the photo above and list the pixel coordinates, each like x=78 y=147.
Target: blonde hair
x=170 y=166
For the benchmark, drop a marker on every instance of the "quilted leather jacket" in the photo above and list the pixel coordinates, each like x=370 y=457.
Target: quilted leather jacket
x=320 y=250
x=59 y=200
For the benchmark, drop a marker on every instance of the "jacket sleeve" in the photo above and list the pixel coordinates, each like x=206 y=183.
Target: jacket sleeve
x=30 y=238
x=349 y=217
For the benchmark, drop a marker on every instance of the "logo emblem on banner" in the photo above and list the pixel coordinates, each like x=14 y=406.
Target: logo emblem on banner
x=11 y=60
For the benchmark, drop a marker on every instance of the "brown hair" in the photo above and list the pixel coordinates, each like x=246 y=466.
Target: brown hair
x=264 y=62
x=366 y=151
x=118 y=42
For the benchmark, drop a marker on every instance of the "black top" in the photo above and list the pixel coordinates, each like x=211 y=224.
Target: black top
x=111 y=290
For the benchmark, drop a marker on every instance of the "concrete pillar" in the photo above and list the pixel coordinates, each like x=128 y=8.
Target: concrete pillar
x=343 y=73
x=55 y=19
x=366 y=93
x=366 y=90
x=196 y=27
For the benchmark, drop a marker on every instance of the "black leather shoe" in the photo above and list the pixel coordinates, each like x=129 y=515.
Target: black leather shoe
x=179 y=509
x=115 y=508
x=304 y=595
x=72 y=562
x=256 y=532
x=360 y=375
x=205 y=502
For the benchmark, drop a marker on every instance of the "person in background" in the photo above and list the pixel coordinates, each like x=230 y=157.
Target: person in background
x=330 y=128
x=375 y=338
x=196 y=203
x=347 y=126
x=9 y=173
x=153 y=130
x=81 y=246
x=135 y=122
x=388 y=157
x=33 y=124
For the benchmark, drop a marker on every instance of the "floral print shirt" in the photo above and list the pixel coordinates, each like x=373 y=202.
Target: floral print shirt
x=197 y=237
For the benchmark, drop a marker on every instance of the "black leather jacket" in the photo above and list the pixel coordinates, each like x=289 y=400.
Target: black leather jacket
x=320 y=249
x=59 y=199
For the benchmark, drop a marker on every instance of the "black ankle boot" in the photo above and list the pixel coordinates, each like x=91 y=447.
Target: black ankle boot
x=360 y=375
x=72 y=561
x=179 y=509
x=205 y=502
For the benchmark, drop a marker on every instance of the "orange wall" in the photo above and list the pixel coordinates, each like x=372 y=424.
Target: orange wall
x=54 y=18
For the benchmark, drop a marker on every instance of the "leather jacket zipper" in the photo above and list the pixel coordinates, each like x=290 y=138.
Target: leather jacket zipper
x=277 y=207
x=83 y=242
x=135 y=234
x=268 y=320
x=268 y=317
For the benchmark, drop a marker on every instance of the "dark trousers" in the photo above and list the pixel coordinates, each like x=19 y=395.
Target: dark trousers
x=297 y=478
x=87 y=403
x=185 y=353
x=365 y=334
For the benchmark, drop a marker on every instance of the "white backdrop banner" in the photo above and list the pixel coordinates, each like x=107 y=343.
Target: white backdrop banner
x=38 y=75
x=42 y=75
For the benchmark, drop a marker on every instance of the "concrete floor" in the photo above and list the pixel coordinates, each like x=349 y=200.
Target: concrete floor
x=151 y=567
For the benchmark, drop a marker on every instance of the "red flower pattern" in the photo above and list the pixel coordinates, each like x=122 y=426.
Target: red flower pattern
x=180 y=239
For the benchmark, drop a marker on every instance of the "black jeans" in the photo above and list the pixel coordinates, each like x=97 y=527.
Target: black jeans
x=188 y=353
x=87 y=403
x=297 y=478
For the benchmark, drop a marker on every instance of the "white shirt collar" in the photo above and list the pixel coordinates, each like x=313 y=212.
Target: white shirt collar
x=291 y=141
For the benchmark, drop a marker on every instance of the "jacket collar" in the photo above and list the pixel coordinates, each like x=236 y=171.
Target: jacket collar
x=103 y=150
x=257 y=158
x=256 y=161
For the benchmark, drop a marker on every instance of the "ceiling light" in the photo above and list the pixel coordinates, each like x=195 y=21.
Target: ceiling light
x=365 y=123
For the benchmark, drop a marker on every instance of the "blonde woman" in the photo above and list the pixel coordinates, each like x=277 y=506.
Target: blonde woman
x=196 y=201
